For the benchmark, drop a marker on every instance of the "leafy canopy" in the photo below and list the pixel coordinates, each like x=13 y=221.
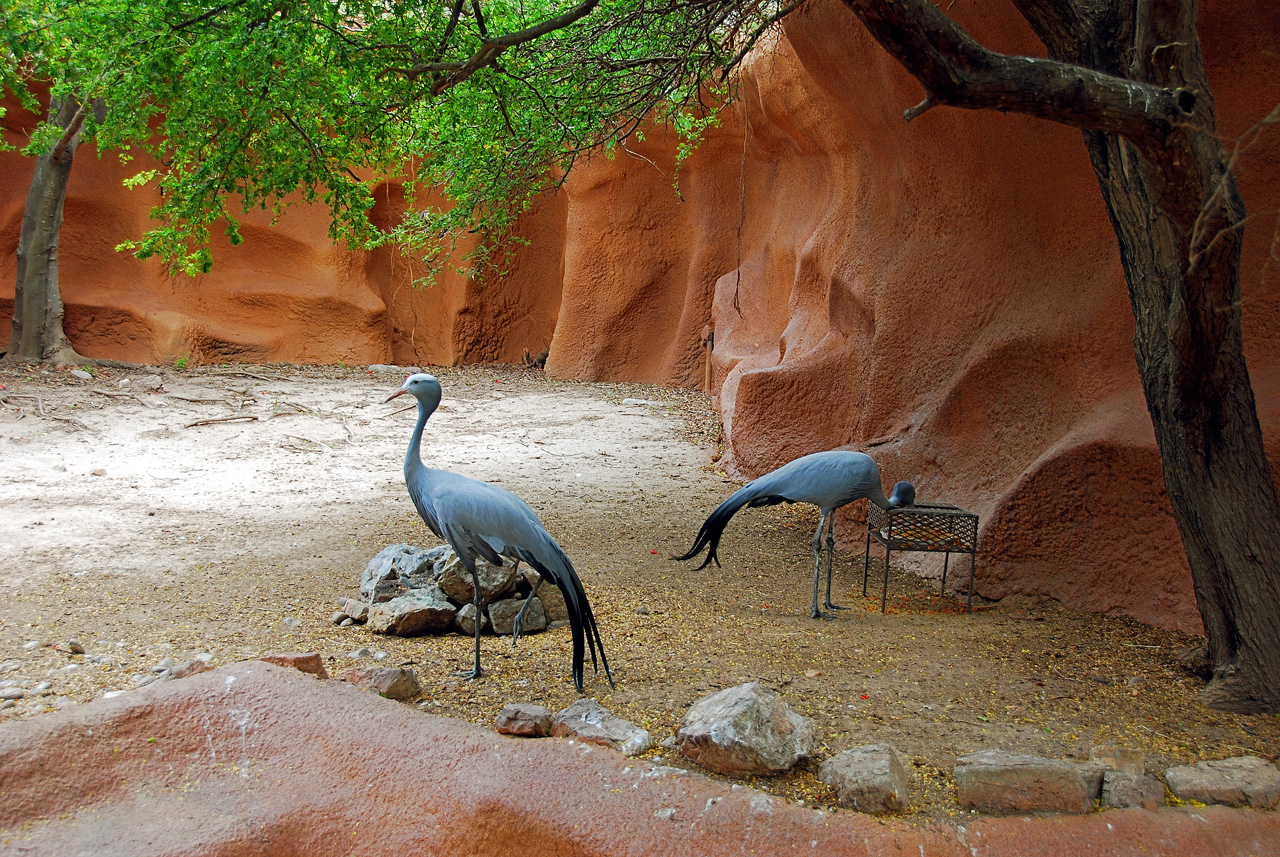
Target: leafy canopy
x=476 y=106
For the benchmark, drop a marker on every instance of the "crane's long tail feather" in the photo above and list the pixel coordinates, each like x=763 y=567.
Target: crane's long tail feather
x=713 y=527
x=582 y=622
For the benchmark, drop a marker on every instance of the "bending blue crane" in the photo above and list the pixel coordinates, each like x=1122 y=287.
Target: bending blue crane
x=482 y=520
x=828 y=480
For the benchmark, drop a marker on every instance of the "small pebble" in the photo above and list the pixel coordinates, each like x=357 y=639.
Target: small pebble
x=642 y=611
x=164 y=666
x=98 y=471
x=12 y=693
x=292 y=621
x=75 y=647
x=32 y=645
x=346 y=621
x=44 y=687
x=7 y=703
x=377 y=656
x=111 y=694
x=340 y=618
x=361 y=652
x=81 y=374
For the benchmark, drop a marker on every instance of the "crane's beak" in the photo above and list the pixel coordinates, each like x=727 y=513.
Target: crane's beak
x=399 y=392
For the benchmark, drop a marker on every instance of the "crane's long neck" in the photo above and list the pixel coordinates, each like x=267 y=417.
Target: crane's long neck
x=413 y=457
x=876 y=495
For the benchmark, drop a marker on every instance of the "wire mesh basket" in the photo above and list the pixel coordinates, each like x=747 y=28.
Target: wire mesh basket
x=931 y=527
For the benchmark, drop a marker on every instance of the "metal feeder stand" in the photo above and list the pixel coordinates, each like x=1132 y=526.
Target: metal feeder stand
x=932 y=527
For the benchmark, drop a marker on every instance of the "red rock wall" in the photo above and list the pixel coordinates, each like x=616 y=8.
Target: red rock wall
x=946 y=293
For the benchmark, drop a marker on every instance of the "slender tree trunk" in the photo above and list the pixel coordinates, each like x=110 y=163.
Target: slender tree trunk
x=37 y=335
x=1131 y=75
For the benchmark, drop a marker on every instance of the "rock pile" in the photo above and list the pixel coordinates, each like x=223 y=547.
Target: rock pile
x=409 y=591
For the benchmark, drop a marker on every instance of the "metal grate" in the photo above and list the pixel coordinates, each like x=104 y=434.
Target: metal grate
x=932 y=527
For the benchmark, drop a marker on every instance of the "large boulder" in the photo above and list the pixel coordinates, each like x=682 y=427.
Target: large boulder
x=588 y=720
x=745 y=730
x=869 y=779
x=1000 y=782
x=396 y=569
x=456 y=581
x=421 y=611
x=1246 y=780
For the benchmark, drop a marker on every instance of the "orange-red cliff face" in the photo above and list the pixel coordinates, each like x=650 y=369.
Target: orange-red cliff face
x=946 y=293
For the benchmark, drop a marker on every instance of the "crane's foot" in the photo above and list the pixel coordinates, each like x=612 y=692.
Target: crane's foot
x=827 y=604
x=818 y=614
x=471 y=674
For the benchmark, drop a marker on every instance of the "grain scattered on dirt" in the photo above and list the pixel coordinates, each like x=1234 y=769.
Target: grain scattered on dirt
x=144 y=524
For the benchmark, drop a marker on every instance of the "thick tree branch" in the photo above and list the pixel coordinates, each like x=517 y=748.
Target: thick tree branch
x=957 y=71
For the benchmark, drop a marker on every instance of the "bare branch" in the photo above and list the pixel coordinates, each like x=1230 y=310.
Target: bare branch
x=957 y=71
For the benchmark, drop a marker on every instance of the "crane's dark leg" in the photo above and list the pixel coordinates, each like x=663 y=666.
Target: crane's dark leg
x=516 y=625
x=475 y=671
x=817 y=567
x=831 y=552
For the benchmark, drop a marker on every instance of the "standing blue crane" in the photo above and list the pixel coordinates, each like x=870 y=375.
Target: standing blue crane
x=482 y=520
x=828 y=480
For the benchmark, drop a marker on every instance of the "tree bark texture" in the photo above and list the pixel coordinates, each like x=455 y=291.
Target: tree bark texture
x=37 y=335
x=1178 y=218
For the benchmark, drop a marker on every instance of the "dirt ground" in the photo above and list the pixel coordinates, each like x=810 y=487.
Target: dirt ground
x=127 y=525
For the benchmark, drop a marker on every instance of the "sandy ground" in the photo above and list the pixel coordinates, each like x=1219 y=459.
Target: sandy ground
x=131 y=528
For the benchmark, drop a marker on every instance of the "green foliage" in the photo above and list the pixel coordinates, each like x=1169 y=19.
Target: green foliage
x=474 y=108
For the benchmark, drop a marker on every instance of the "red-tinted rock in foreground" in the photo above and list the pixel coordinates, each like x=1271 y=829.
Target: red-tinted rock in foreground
x=256 y=759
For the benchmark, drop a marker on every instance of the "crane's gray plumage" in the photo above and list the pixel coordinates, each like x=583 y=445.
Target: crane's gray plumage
x=481 y=520
x=828 y=480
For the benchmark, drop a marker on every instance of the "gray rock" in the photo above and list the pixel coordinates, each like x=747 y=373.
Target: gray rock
x=745 y=730
x=340 y=617
x=391 y=682
x=421 y=611
x=32 y=645
x=524 y=719
x=149 y=382
x=553 y=603
x=1118 y=758
x=465 y=620
x=502 y=615
x=358 y=611
x=1000 y=783
x=1246 y=780
x=589 y=721
x=12 y=693
x=81 y=374
x=346 y=621
x=1122 y=790
x=75 y=647
x=457 y=584
x=396 y=569
x=869 y=779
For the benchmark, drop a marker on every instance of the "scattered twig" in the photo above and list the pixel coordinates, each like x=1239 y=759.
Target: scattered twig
x=219 y=420
x=75 y=422
x=400 y=411
x=1139 y=646
x=112 y=394
x=309 y=440
x=198 y=401
x=39 y=401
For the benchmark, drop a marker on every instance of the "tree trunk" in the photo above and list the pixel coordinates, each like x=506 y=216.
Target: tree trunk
x=1179 y=220
x=37 y=335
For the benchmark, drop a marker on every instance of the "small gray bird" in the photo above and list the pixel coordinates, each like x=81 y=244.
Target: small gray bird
x=828 y=480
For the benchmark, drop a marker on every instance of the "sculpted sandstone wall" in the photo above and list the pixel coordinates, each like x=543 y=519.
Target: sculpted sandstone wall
x=944 y=293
